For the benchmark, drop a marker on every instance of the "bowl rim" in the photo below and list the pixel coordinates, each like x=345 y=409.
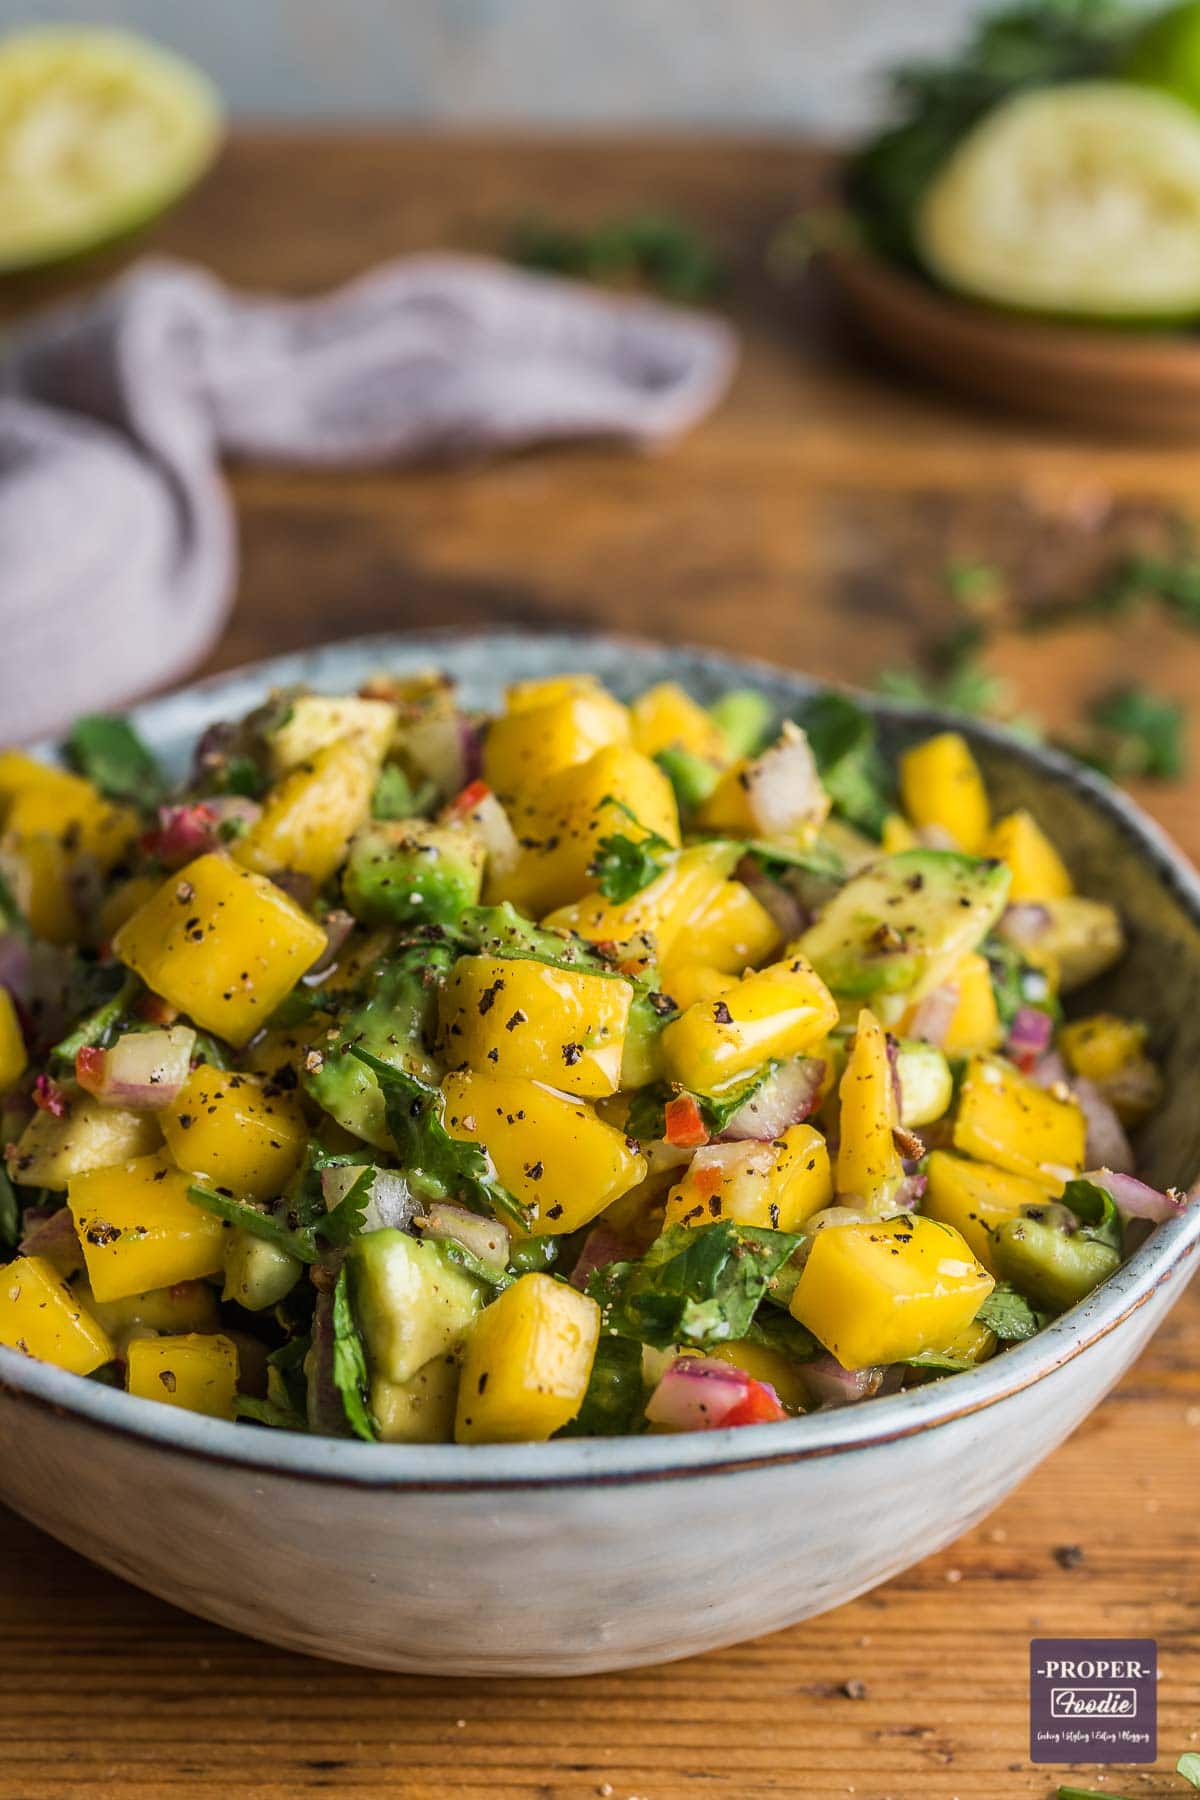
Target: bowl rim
x=1163 y=1258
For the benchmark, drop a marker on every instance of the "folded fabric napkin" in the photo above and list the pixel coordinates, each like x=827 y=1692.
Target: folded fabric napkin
x=117 y=543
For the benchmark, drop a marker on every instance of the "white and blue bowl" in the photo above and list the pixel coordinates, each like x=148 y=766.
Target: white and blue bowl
x=563 y=1558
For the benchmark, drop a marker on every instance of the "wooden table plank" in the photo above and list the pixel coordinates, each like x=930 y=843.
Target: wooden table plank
x=809 y=521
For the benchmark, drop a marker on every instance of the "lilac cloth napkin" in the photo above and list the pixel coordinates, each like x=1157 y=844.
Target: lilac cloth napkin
x=117 y=545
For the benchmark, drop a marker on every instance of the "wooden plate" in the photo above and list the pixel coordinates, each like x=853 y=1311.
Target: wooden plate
x=1130 y=382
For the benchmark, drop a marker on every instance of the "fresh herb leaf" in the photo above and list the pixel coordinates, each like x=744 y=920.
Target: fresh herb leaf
x=111 y=754
x=843 y=741
x=437 y=1166
x=1136 y=732
x=11 y=916
x=1094 y=1207
x=393 y=797
x=1009 y=1315
x=1189 y=1767
x=776 y=1329
x=623 y=866
x=100 y=1026
x=10 y=1214
x=300 y=1242
x=268 y=1412
x=614 y=1404
x=300 y=1224
x=241 y=775
x=696 y=1286
x=939 y=1362
x=663 y=252
x=1015 y=982
x=646 y=1118
x=350 y=1376
x=209 y=1049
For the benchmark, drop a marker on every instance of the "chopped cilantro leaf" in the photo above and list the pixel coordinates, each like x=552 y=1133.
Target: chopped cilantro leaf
x=111 y=754
x=350 y=1376
x=696 y=1286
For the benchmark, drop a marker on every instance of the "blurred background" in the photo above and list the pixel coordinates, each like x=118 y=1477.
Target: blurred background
x=812 y=64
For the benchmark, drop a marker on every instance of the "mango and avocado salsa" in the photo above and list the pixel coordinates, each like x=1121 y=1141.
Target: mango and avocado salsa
x=592 y=1068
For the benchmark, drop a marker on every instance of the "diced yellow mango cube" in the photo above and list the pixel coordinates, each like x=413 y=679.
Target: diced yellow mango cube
x=541 y=736
x=13 y=1057
x=734 y=931
x=565 y=816
x=665 y=717
x=421 y=1409
x=89 y=1136
x=527 y=1363
x=236 y=1131
x=515 y=1016
x=552 y=1153
x=1102 y=1045
x=1007 y=1120
x=222 y=944
x=881 y=1291
x=688 y=982
x=975 y=1198
x=187 y=1306
x=314 y=721
x=121 y=903
x=198 y=1373
x=549 y=690
x=777 y=1185
x=762 y=1363
x=41 y=1317
x=310 y=816
x=39 y=801
x=869 y=1166
x=38 y=870
x=941 y=786
x=139 y=1230
x=897 y=835
x=666 y=909
x=1038 y=871
x=778 y=1011
x=975 y=1023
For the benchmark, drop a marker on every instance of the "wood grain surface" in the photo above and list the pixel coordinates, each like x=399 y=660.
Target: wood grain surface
x=810 y=521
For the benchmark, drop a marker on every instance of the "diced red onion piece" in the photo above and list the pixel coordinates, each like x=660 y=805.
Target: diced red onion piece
x=936 y=837
x=696 y=1394
x=601 y=1246
x=337 y=926
x=778 y=900
x=486 y=1239
x=829 y=1384
x=390 y=1205
x=143 y=1069
x=1024 y=922
x=911 y=1191
x=49 y=1097
x=787 y=1097
x=1107 y=1144
x=16 y=966
x=1050 y=1071
x=1135 y=1199
x=50 y=1232
x=1029 y=1037
x=470 y=740
x=783 y=788
x=934 y=1014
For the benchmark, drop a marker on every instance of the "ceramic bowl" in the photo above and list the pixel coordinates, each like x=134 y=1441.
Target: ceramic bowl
x=568 y=1557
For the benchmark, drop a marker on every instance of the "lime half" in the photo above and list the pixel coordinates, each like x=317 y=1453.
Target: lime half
x=1081 y=201
x=99 y=131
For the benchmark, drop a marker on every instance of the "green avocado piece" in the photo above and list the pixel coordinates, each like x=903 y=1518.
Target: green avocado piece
x=1050 y=1266
x=901 y=925
x=395 y=1022
x=411 y=1302
x=407 y=871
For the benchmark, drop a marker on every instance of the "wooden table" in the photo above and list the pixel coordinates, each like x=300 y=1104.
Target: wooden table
x=810 y=521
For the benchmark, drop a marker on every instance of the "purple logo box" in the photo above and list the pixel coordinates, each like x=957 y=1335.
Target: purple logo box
x=1093 y=1700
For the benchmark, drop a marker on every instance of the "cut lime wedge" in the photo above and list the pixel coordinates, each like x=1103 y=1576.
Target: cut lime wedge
x=99 y=131
x=1081 y=201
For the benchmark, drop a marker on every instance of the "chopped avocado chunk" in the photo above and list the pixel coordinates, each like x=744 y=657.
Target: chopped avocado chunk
x=406 y=871
x=258 y=1273
x=901 y=925
x=411 y=1301
x=394 y=1023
